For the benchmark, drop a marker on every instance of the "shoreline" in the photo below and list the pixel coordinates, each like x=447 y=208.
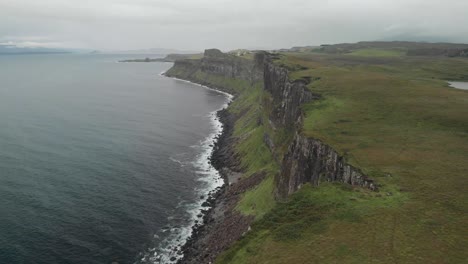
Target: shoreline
x=201 y=218
x=222 y=224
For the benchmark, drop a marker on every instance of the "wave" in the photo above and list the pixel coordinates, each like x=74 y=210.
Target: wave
x=169 y=250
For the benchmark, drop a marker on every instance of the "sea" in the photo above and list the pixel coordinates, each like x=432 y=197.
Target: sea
x=101 y=161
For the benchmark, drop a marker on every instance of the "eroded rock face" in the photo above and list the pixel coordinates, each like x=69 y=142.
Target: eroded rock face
x=230 y=66
x=287 y=96
x=309 y=160
x=216 y=63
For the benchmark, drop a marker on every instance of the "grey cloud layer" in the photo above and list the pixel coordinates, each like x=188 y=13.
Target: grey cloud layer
x=196 y=24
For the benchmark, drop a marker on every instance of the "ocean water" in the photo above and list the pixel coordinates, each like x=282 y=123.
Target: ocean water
x=100 y=162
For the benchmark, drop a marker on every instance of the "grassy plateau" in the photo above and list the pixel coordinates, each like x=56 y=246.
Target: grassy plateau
x=391 y=115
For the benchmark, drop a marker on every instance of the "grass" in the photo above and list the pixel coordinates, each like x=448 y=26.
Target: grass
x=378 y=52
x=255 y=155
x=395 y=118
x=232 y=85
x=390 y=115
x=258 y=201
x=306 y=227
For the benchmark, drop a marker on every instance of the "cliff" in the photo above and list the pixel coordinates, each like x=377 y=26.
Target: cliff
x=307 y=160
x=268 y=104
x=217 y=70
x=287 y=96
x=303 y=120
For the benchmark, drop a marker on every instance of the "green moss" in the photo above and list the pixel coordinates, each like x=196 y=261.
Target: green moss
x=255 y=155
x=259 y=200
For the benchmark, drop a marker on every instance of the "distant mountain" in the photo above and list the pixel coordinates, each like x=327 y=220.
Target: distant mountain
x=413 y=37
x=403 y=47
x=7 y=49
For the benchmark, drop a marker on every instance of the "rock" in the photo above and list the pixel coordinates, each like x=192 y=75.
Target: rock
x=287 y=96
x=309 y=160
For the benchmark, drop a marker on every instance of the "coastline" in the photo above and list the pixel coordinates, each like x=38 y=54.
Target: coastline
x=181 y=252
x=222 y=224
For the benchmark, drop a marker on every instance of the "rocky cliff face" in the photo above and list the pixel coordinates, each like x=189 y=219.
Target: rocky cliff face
x=217 y=64
x=287 y=96
x=309 y=160
x=229 y=66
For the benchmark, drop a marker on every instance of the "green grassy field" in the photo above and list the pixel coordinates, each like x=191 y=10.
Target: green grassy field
x=395 y=118
x=379 y=52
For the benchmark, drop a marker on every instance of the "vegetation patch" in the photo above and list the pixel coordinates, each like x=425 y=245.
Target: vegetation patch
x=310 y=217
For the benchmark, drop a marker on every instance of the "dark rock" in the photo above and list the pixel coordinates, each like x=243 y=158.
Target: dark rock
x=287 y=96
x=311 y=161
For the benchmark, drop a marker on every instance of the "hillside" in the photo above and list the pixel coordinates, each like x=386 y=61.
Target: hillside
x=355 y=157
x=397 y=48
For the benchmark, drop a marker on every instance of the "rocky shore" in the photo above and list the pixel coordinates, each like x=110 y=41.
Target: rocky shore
x=222 y=224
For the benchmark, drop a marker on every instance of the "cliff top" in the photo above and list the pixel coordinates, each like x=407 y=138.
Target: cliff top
x=391 y=115
x=395 y=117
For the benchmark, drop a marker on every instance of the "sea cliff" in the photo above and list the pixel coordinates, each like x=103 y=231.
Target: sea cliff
x=275 y=110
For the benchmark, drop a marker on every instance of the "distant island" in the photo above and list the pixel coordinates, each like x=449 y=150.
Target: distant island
x=168 y=58
x=10 y=49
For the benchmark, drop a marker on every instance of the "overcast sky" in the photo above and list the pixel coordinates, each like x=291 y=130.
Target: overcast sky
x=226 y=24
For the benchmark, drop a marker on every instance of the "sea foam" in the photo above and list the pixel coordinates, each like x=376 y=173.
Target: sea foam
x=169 y=251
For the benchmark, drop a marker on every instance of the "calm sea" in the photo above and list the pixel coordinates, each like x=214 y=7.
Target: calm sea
x=100 y=161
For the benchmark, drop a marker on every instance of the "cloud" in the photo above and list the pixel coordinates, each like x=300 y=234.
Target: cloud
x=227 y=24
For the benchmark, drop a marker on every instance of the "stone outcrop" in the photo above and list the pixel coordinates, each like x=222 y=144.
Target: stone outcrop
x=287 y=96
x=309 y=160
x=217 y=64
